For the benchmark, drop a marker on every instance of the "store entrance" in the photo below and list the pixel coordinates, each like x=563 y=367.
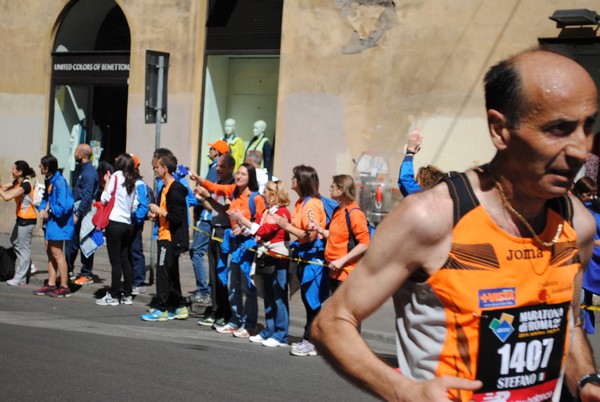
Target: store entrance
x=109 y=112
x=89 y=83
x=90 y=106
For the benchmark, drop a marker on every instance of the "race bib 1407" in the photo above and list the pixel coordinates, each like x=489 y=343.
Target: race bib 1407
x=520 y=352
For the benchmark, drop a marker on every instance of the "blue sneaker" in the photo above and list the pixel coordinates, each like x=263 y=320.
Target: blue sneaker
x=155 y=315
x=180 y=313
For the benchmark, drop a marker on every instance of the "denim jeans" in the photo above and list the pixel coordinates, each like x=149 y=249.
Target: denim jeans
x=242 y=299
x=72 y=249
x=197 y=253
x=138 y=260
x=277 y=317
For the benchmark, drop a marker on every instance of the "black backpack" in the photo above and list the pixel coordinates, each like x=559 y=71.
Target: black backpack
x=7 y=263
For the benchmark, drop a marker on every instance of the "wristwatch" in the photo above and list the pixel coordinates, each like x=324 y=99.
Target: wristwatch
x=592 y=378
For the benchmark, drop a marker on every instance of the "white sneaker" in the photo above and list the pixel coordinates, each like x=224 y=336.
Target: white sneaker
x=33 y=268
x=138 y=290
x=127 y=300
x=274 y=343
x=107 y=300
x=256 y=339
x=228 y=328
x=14 y=282
x=241 y=333
x=304 y=348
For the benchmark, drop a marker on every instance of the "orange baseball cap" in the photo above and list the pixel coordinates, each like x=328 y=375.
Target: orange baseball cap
x=221 y=146
x=136 y=161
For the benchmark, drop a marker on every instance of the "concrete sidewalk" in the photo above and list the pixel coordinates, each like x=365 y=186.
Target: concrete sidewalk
x=378 y=330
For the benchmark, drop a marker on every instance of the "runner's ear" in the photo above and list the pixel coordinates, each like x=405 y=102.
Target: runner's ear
x=498 y=129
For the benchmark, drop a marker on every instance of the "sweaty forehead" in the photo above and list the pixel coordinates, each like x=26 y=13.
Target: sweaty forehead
x=551 y=77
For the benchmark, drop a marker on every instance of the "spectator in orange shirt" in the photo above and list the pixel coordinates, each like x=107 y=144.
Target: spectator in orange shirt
x=314 y=277
x=244 y=313
x=343 y=248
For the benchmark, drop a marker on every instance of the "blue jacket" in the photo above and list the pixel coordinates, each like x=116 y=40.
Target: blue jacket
x=406 y=179
x=139 y=215
x=60 y=225
x=314 y=279
x=85 y=188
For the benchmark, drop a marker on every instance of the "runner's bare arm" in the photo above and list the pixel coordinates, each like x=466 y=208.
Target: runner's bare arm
x=416 y=234
x=580 y=359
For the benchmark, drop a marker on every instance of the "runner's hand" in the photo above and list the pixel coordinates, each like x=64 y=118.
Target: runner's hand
x=590 y=393
x=436 y=390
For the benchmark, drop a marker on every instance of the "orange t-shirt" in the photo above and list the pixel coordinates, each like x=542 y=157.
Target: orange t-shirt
x=241 y=202
x=164 y=232
x=337 y=243
x=313 y=208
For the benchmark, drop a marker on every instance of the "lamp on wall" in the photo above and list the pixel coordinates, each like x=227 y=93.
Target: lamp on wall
x=575 y=17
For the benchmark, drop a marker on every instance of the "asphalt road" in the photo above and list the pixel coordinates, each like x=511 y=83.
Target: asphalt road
x=72 y=350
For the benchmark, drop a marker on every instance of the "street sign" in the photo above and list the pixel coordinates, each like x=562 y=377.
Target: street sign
x=155 y=72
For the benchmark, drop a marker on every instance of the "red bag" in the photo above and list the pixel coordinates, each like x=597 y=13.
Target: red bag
x=100 y=218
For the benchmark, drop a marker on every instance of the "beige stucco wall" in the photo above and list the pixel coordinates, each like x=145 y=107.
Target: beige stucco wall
x=27 y=31
x=178 y=29
x=25 y=41
x=425 y=70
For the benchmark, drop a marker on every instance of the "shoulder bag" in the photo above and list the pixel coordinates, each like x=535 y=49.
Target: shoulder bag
x=100 y=218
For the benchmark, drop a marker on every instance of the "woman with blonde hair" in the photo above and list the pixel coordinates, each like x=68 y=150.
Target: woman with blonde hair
x=273 y=245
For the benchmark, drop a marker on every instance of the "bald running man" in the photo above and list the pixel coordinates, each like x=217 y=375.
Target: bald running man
x=485 y=268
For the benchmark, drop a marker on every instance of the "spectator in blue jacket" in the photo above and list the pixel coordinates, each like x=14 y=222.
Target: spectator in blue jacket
x=56 y=209
x=86 y=186
x=426 y=176
x=202 y=218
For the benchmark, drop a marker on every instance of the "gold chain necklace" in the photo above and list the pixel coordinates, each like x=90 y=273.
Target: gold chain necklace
x=524 y=221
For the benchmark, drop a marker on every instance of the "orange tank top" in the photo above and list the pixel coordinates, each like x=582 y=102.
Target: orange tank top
x=25 y=208
x=499 y=307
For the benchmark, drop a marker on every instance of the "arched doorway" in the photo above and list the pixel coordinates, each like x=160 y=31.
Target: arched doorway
x=89 y=82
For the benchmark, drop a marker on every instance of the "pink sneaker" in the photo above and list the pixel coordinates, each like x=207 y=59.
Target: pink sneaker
x=61 y=292
x=44 y=290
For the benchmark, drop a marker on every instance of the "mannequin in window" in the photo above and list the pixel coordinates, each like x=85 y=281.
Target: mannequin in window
x=236 y=144
x=261 y=143
x=96 y=143
x=78 y=136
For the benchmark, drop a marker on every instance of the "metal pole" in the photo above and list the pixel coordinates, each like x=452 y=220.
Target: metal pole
x=159 y=109
x=159 y=98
